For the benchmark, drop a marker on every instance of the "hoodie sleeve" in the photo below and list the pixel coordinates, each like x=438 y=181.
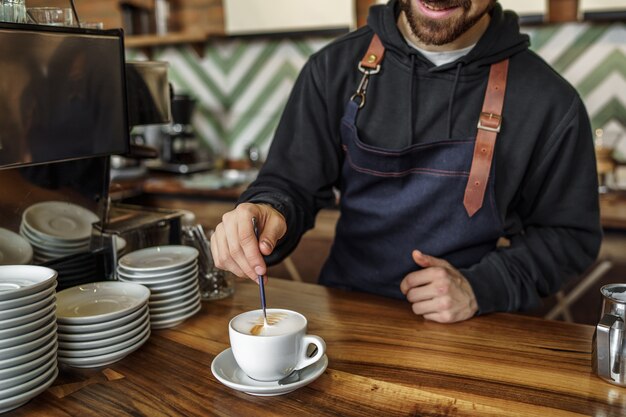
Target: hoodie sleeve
x=302 y=165
x=561 y=232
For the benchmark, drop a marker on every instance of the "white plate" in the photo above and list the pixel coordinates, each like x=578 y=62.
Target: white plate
x=170 y=294
x=158 y=288
x=189 y=269
x=27 y=327
x=99 y=301
x=21 y=280
x=97 y=361
x=60 y=220
x=46 y=356
x=104 y=350
x=80 y=329
x=226 y=370
x=14 y=249
x=27 y=299
x=106 y=341
x=176 y=306
x=105 y=334
x=7 y=354
x=21 y=399
x=36 y=315
x=28 y=336
x=26 y=309
x=158 y=258
x=158 y=317
x=174 y=321
x=29 y=384
x=29 y=355
x=177 y=299
x=40 y=242
x=160 y=281
x=182 y=270
x=27 y=376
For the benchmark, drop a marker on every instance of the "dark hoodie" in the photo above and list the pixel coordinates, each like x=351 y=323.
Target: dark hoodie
x=545 y=174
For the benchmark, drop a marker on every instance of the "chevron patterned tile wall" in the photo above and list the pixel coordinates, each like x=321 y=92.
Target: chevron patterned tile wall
x=242 y=84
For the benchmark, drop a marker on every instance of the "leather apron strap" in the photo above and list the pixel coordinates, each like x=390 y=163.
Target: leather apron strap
x=374 y=55
x=489 y=123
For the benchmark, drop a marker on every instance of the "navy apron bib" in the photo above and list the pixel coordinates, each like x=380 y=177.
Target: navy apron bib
x=395 y=201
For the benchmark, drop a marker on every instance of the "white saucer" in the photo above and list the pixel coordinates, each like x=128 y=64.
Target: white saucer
x=22 y=398
x=112 y=333
x=31 y=364
x=101 y=360
x=101 y=326
x=89 y=351
x=25 y=309
x=226 y=370
x=14 y=249
x=100 y=301
x=148 y=282
x=175 y=320
x=182 y=270
x=158 y=259
x=27 y=327
x=28 y=318
x=22 y=280
x=60 y=220
x=27 y=299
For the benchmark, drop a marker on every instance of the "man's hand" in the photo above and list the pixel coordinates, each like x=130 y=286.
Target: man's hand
x=234 y=246
x=439 y=292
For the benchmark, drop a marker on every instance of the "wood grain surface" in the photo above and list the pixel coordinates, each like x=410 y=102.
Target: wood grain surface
x=383 y=361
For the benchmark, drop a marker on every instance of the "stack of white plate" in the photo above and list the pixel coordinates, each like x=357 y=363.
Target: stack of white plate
x=28 y=333
x=56 y=229
x=101 y=322
x=14 y=249
x=171 y=273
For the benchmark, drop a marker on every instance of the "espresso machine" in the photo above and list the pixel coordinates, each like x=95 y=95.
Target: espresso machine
x=179 y=146
x=66 y=113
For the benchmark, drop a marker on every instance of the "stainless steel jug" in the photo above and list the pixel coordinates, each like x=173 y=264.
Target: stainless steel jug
x=609 y=346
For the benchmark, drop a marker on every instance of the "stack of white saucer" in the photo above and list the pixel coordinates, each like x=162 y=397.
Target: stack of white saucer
x=171 y=273
x=56 y=229
x=101 y=322
x=28 y=333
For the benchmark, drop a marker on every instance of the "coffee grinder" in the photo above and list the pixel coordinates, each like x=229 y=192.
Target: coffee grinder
x=180 y=149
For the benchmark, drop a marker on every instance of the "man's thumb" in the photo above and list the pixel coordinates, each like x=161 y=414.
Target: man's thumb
x=426 y=261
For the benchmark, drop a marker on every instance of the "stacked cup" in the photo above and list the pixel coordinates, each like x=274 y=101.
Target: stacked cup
x=56 y=229
x=171 y=274
x=28 y=333
x=101 y=322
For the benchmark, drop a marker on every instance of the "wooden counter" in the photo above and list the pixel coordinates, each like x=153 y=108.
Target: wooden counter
x=383 y=361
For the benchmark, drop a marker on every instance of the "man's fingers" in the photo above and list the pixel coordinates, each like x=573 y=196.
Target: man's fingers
x=231 y=228
x=274 y=228
x=415 y=279
x=221 y=254
x=426 y=307
x=425 y=292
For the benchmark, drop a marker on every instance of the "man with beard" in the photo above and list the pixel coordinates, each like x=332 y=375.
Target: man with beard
x=464 y=165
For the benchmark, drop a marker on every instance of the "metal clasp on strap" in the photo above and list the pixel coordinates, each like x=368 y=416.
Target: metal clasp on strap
x=362 y=88
x=490 y=122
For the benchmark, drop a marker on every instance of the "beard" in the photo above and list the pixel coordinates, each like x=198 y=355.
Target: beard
x=441 y=32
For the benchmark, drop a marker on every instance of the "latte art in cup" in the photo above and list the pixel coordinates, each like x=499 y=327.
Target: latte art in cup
x=278 y=323
x=269 y=352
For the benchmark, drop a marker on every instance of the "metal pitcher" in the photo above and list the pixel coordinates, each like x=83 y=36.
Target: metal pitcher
x=609 y=346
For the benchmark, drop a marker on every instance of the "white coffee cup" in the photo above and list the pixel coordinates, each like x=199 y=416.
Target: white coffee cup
x=278 y=350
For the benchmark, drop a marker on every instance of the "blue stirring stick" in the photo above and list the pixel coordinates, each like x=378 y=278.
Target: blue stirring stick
x=260 y=277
